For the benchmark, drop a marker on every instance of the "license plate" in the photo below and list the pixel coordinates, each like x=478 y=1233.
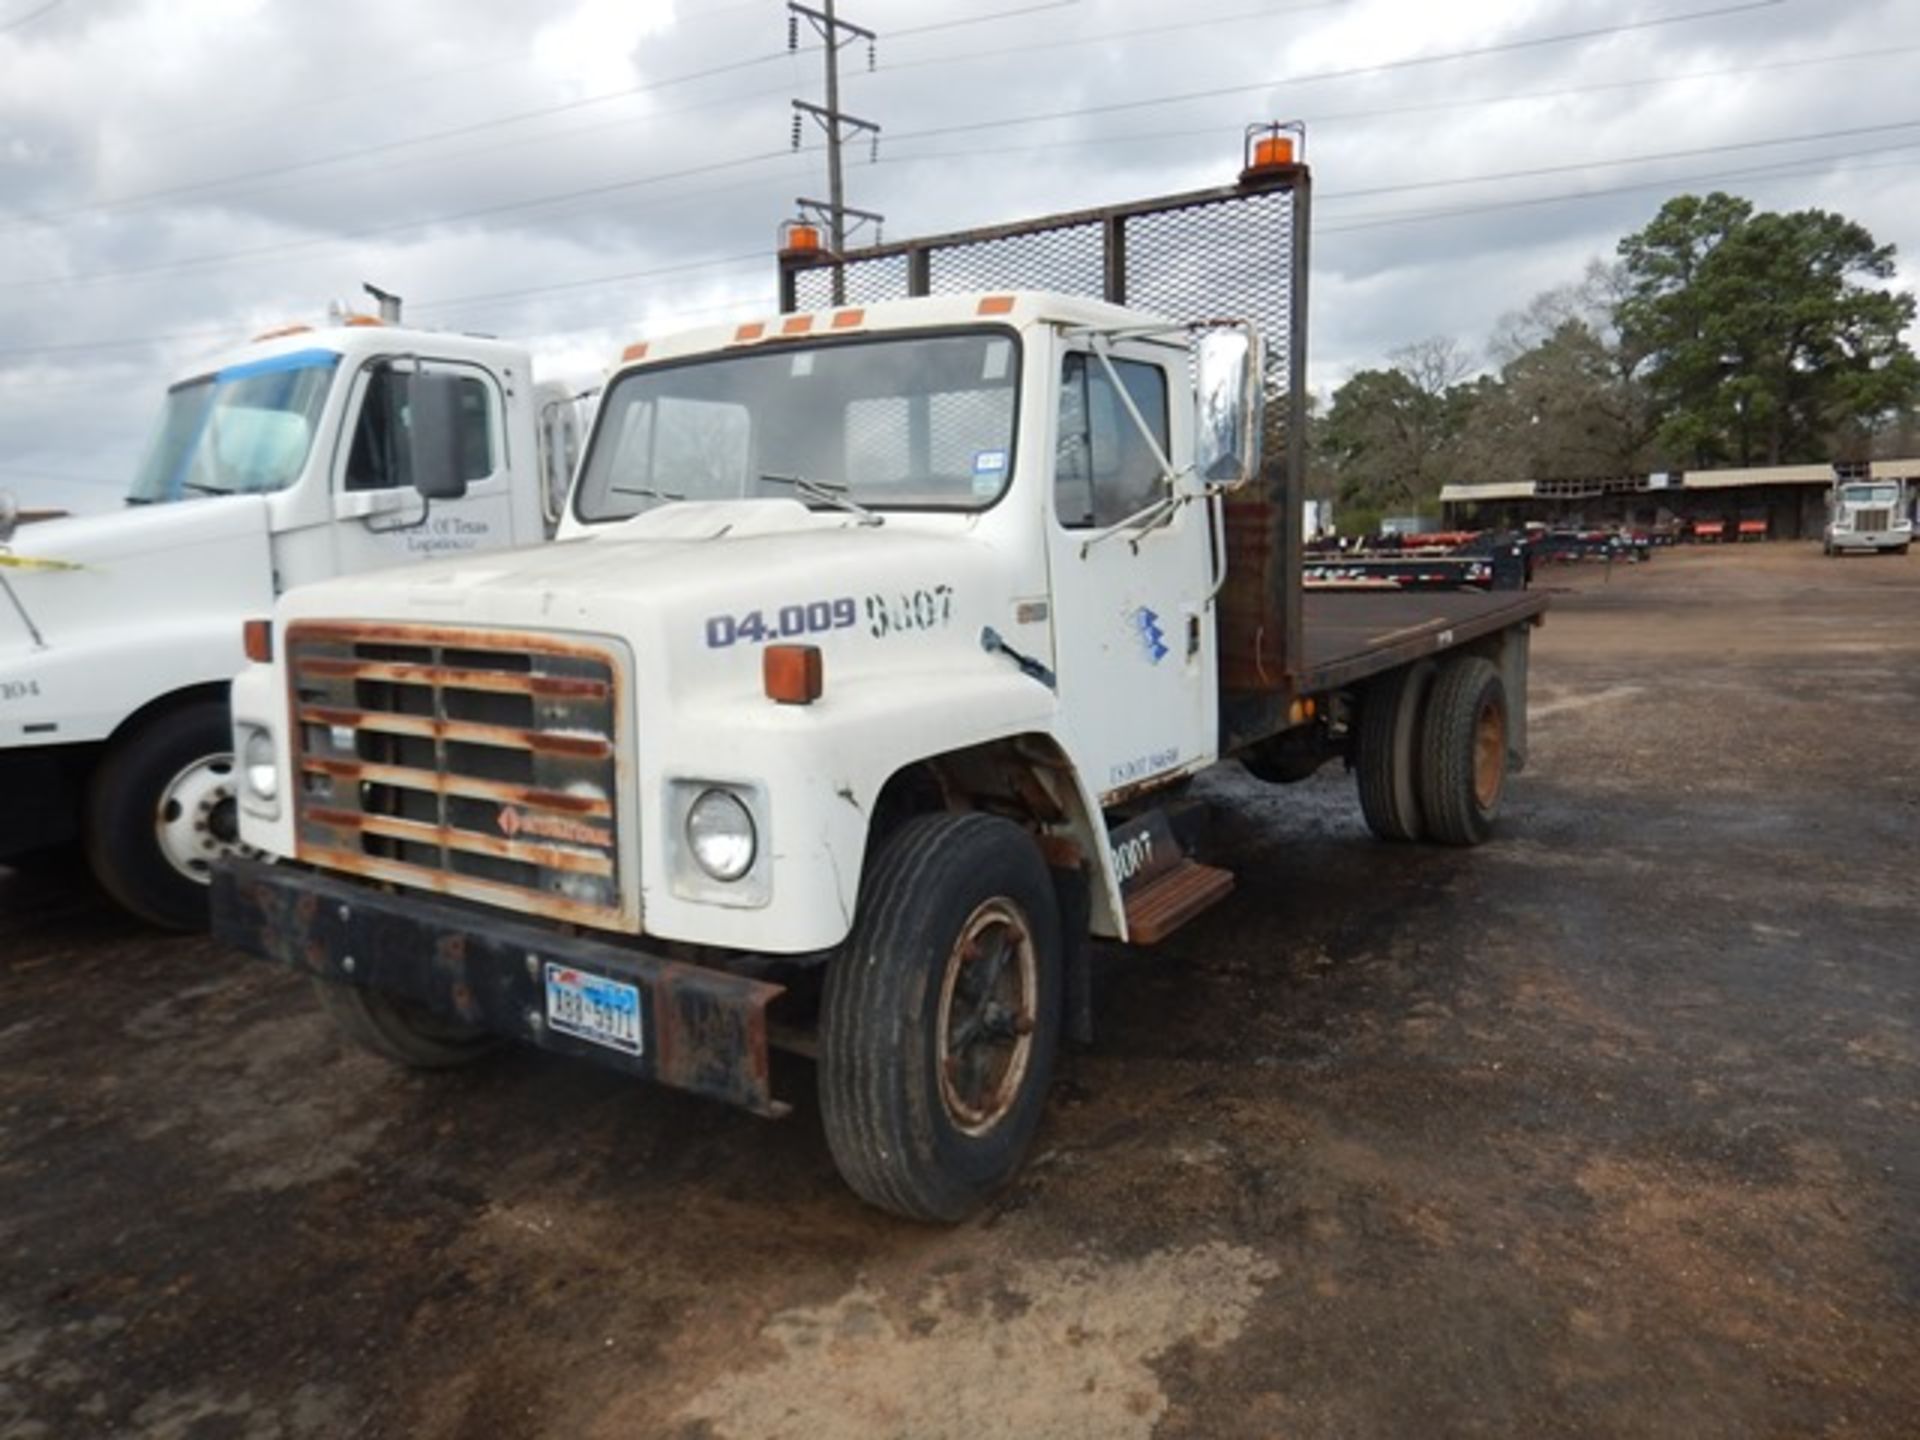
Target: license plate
x=592 y=1007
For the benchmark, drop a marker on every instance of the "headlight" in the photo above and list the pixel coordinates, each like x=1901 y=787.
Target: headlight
x=258 y=763
x=720 y=835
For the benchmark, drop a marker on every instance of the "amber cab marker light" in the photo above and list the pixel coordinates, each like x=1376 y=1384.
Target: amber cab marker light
x=994 y=305
x=633 y=352
x=792 y=673
x=799 y=237
x=256 y=637
x=1270 y=148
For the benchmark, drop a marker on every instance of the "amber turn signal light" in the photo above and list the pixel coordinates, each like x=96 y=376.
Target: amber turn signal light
x=256 y=637
x=792 y=673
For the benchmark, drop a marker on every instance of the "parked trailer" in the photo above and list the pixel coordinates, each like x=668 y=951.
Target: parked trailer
x=851 y=713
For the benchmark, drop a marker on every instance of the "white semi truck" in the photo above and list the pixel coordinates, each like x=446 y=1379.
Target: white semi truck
x=1868 y=512
x=283 y=462
x=852 y=701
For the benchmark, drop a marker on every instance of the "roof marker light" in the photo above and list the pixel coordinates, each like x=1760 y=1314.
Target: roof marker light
x=752 y=330
x=799 y=237
x=1268 y=149
x=635 y=351
x=796 y=325
x=995 y=305
x=847 y=319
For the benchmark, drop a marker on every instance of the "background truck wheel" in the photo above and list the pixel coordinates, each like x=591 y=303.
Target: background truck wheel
x=1463 y=752
x=400 y=1031
x=1388 y=746
x=162 y=807
x=941 y=1016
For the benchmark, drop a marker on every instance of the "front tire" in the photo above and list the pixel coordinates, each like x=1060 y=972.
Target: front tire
x=941 y=1017
x=1463 y=752
x=162 y=807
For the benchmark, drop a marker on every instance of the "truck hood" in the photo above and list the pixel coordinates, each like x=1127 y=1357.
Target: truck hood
x=143 y=567
x=702 y=586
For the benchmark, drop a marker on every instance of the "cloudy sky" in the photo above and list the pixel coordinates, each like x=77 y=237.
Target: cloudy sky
x=177 y=174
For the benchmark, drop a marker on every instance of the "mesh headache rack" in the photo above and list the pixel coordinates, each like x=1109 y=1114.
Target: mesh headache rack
x=1238 y=251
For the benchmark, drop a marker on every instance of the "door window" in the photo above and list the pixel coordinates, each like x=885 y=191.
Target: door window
x=1105 y=470
x=377 y=459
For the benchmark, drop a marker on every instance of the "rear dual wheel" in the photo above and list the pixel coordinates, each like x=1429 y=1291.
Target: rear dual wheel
x=1432 y=751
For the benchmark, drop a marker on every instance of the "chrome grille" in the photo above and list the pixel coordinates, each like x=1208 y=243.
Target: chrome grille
x=1873 y=519
x=478 y=763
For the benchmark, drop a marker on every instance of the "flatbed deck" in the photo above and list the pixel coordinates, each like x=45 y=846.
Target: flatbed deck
x=1351 y=635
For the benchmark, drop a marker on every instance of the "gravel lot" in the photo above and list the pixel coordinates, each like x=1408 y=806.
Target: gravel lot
x=1609 y=1128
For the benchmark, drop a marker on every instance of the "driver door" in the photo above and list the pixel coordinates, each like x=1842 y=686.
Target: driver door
x=1133 y=625
x=379 y=519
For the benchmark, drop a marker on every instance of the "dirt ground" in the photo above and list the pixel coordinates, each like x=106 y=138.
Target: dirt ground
x=1609 y=1128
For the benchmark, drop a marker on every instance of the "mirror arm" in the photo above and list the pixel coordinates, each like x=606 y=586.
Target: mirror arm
x=1101 y=343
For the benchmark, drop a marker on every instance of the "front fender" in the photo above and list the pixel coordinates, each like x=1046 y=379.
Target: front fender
x=820 y=768
x=82 y=690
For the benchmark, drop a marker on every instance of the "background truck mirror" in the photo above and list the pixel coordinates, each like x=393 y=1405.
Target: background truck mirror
x=1227 y=401
x=433 y=435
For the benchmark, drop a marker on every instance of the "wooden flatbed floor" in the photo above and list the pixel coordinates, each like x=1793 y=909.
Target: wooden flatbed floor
x=1351 y=635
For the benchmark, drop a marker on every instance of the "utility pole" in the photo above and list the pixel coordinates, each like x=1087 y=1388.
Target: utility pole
x=837 y=125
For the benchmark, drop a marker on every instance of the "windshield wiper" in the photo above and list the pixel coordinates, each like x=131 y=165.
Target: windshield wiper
x=827 y=492
x=200 y=489
x=646 y=490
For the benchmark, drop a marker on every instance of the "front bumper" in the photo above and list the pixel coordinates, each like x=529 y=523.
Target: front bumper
x=702 y=1030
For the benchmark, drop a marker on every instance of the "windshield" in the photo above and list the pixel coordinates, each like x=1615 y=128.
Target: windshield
x=921 y=422
x=1869 y=494
x=243 y=430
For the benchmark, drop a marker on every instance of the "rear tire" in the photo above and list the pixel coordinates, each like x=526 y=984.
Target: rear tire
x=941 y=1017
x=1463 y=752
x=1388 y=745
x=400 y=1031
x=162 y=807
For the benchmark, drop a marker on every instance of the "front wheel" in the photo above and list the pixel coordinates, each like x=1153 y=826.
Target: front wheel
x=941 y=1017
x=162 y=808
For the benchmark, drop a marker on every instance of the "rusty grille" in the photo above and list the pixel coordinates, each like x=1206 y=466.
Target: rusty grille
x=473 y=763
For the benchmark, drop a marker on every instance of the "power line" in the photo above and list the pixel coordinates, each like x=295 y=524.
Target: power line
x=1075 y=41
x=508 y=207
x=893 y=157
x=1809 y=165
x=1383 y=67
x=30 y=16
x=53 y=217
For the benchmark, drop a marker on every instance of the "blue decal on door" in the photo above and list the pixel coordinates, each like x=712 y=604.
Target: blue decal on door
x=1153 y=641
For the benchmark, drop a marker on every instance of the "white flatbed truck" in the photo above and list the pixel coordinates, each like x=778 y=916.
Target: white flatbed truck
x=842 y=715
x=274 y=465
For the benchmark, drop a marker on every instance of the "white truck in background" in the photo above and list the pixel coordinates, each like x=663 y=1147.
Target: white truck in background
x=279 y=463
x=1866 y=511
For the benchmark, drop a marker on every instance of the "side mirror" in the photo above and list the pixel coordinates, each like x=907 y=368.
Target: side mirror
x=9 y=515
x=1228 y=404
x=433 y=435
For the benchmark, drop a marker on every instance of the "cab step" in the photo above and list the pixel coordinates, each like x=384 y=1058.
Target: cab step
x=1161 y=905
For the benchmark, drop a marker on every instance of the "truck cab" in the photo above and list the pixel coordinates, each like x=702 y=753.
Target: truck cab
x=279 y=464
x=1869 y=512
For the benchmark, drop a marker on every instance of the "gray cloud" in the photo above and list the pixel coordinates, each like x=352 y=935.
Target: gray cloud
x=282 y=153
